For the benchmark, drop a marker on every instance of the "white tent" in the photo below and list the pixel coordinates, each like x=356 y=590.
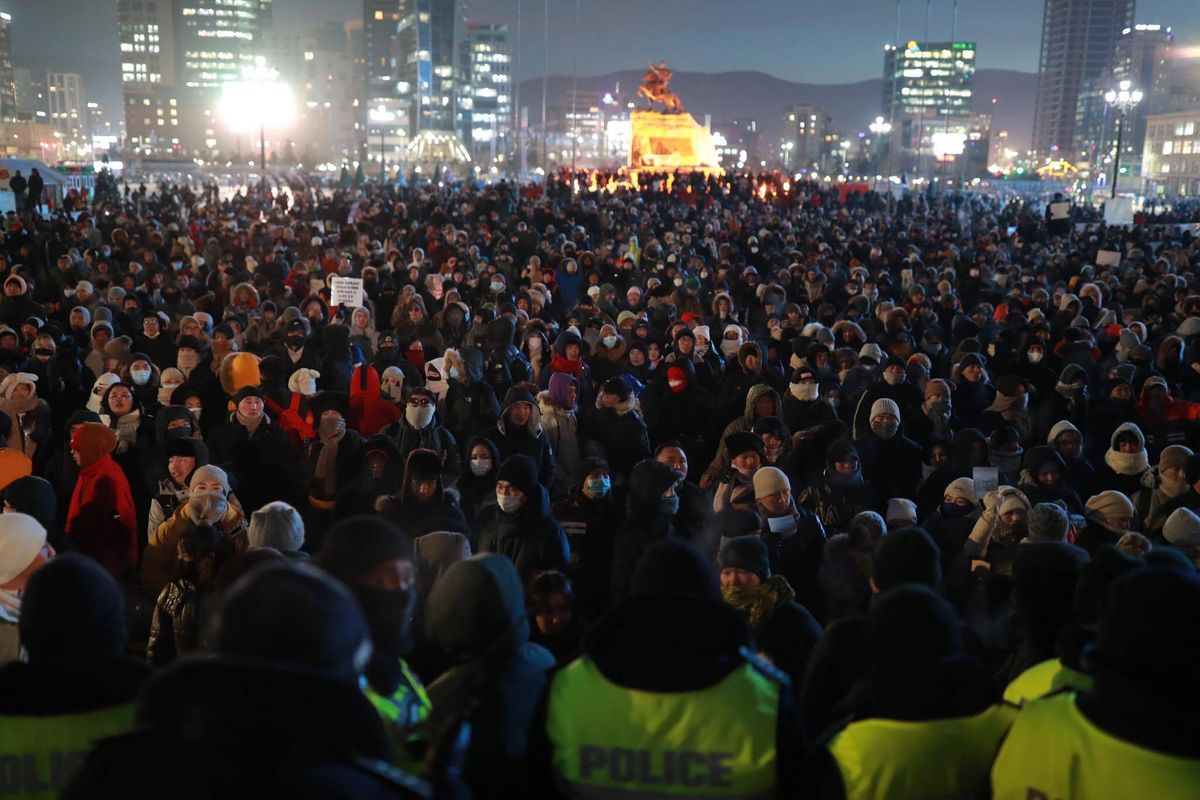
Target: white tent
x=55 y=181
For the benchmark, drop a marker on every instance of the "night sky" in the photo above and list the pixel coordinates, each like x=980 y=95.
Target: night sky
x=802 y=40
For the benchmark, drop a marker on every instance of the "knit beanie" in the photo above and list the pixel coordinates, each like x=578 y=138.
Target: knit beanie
x=742 y=442
x=961 y=489
x=356 y=544
x=1109 y=505
x=1174 y=456
x=521 y=472
x=618 y=387
x=1047 y=522
x=908 y=555
x=734 y=522
x=276 y=525
x=885 y=405
x=1182 y=528
x=1013 y=500
x=294 y=613
x=747 y=553
x=769 y=481
x=72 y=612
x=900 y=509
x=21 y=539
x=209 y=473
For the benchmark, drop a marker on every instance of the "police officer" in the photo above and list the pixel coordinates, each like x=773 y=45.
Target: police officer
x=668 y=697
x=76 y=686
x=375 y=560
x=1137 y=734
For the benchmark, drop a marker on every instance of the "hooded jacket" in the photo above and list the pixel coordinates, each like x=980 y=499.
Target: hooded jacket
x=470 y=402
x=618 y=435
x=743 y=423
x=476 y=614
x=1166 y=425
x=561 y=428
x=102 y=518
x=646 y=522
x=369 y=412
x=529 y=440
x=531 y=538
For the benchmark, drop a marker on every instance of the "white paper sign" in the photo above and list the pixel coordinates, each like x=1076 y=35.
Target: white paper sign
x=986 y=479
x=1108 y=258
x=1118 y=211
x=346 y=292
x=1060 y=210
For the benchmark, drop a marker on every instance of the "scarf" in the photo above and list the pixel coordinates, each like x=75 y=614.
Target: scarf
x=330 y=433
x=126 y=428
x=251 y=425
x=761 y=602
x=561 y=364
x=1127 y=463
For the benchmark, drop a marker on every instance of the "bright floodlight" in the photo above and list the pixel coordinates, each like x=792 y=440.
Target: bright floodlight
x=257 y=100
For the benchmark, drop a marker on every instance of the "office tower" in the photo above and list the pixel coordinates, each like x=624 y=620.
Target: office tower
x=489 y=67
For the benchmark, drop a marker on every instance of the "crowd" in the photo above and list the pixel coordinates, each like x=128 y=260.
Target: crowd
x=711 y=487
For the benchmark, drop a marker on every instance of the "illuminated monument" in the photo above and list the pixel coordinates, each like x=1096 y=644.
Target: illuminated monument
x=670 y=139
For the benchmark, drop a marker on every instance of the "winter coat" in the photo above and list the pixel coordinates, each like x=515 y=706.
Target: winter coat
x=561 y=428
x=836 y=505
x=177 y=623
x=743 y=423
x=529 y=441
x=590 y=524
x=783 y=629
x=645 y=522
x=432 y=437
x=476 y=615
x=531 y=538
x=477 y=492
x=892 y=466
x=369 y=411
x=264 y=465
x=618 y=435
x=158 y=562
x=796 y=554
x=102 y=518
x=470 y=403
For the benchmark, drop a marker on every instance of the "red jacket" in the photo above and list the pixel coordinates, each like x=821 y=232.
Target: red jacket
x=102 y=519
x=369 y=412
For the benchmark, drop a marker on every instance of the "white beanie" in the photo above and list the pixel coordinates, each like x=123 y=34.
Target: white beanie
x=99 y=388
x=702 y=331
x=961 y=488
x=21 y=538
x=276 y=525
x=1182 y=528
x=304 y=381
x=885 y=405
x=16 y=379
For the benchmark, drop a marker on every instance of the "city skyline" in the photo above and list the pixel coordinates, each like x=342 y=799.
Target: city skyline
x=711 y=37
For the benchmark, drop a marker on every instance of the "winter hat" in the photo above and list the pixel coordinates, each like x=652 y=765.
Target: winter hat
x=21 y=539
x=304 y=381
x=1175 y=455
x=356 y=544
x=247 y=391
x=12 y=380
x=92 y=441
x=702 y=332
x=872 y=351
x=748 y=553
x=885 y=405
x=1182 y=528
x=99 y=388
x=1047 y=522
x=521 y=472
x=1109 y=505
x=769 y=481
x=1013 y=500
x=675 y=569
x=907 y=555
x=618 y=387
x=423 y=463
x=734 y=522
x=961 y=488
x=276 y=525
x=209 y=473
x=294 y=613
x=865 y=530
x=900 y=509
x=742 y=442
x=72 y=612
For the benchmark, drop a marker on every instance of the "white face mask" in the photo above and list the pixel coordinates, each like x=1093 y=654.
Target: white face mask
x=140 y=376
x=480 y=466
x=676 y=384
x=701 y=350
x=730 y=347
x=893 y=378
x=419 y=416
x=804 y=391
x=165 y=392
x=508 y=503
x=1035 y=356
x=609 y=341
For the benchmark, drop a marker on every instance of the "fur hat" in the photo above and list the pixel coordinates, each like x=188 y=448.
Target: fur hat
x=1109 y=505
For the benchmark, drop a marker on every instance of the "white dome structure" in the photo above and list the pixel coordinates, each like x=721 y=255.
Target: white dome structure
x=437 y=147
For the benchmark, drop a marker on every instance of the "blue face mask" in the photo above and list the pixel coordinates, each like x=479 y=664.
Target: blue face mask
x=453 y=373
x=669 y=505
x=955 y=510
x=598 y=487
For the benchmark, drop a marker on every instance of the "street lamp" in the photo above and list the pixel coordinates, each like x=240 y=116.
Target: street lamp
x=382 y=116
x=1122 y=99
x=880 y=127
x=258 y=97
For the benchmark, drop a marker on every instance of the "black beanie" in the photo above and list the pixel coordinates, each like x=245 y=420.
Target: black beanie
x=73 y=611
x=676 y=569
x=521 y=472
x=247 y=391
x=911 y=626
x=742 y=442
x=618 y=387
x=907 y=555
x=294 y=613
x=748 y=553
x=734 y=522
x=355 y=544
x=33 y=496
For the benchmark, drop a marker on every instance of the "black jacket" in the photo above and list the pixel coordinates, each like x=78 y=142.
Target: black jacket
x=531 y=538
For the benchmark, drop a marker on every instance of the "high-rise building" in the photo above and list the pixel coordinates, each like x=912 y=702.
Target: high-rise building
x=8 y=86
x=1079 y=39
x=804 y=130
x=383 y=116
x=932 y=79
x=216 y=40
x=149 y=76
x=326 y=83
x=429 y=64
x=489 y=67
x=68 y=111
x=1171 y=159
x=31 y=94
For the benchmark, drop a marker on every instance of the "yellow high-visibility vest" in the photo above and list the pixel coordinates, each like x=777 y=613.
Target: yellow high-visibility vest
x=39 y=755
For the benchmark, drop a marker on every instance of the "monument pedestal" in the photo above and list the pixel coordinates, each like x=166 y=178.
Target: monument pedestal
x=663 y=142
